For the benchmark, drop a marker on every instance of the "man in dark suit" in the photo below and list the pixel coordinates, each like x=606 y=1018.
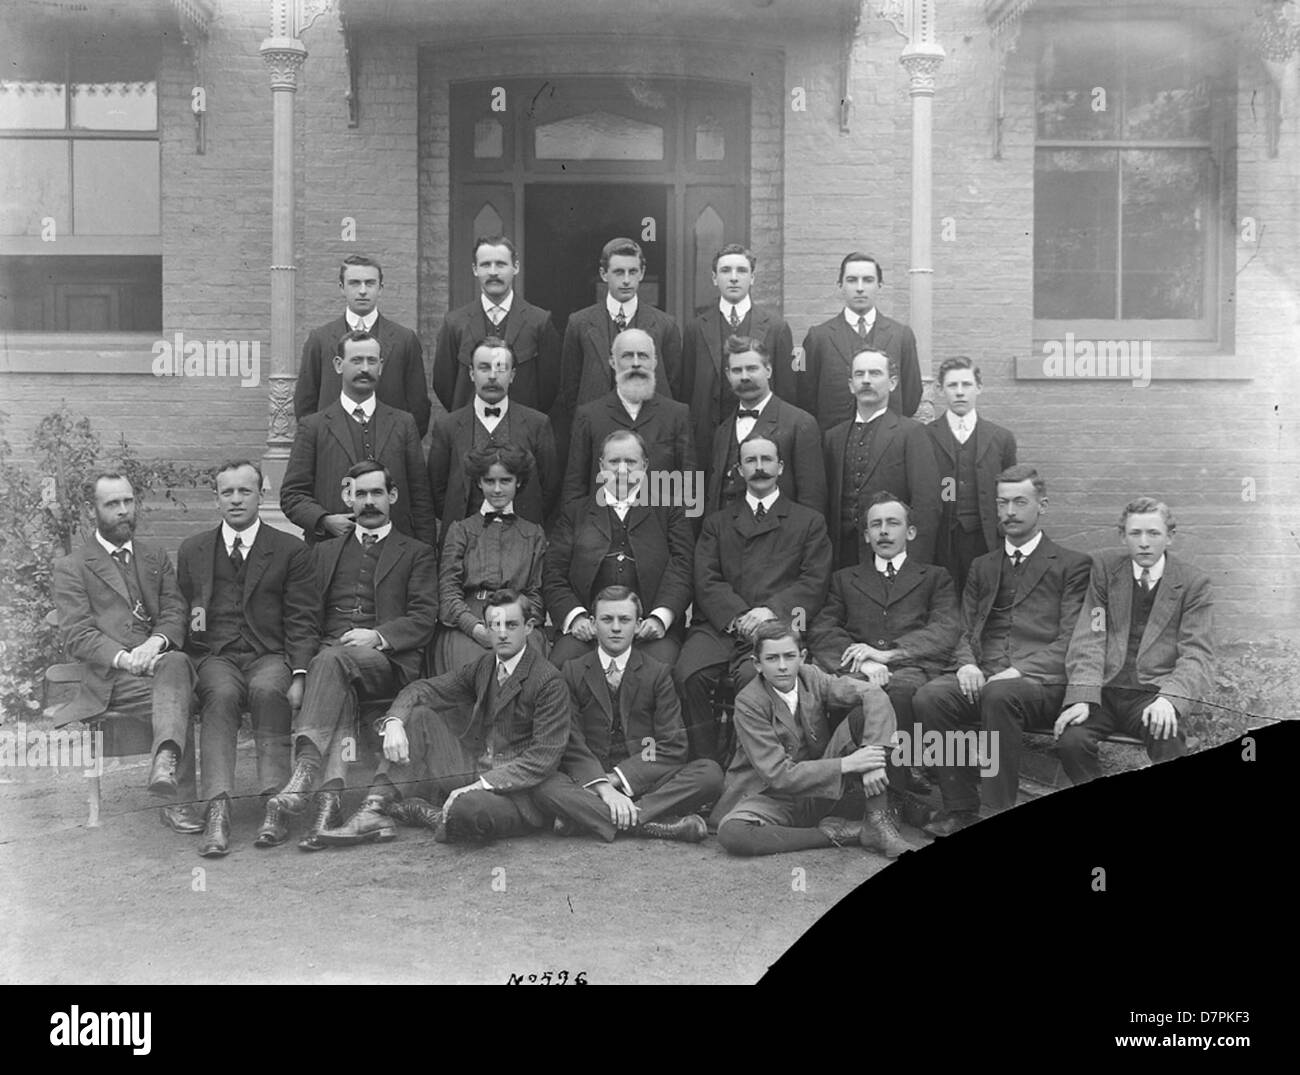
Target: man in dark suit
x=253 y=630
x=704 y=350
x=793 y=783
x=616 y=538
x=625 y=767
x=498 y=311
x=763 y=558
x=663 y=424
x=1142 y=654
x=762 y=413
x=123 y=616
x=970 y=454
x=353 y=428
x=875 y=450
x=589 y=336
x=491 y=418
x=890 y=620
x=485 y=736
x=378 y=593
x=403 y=385
x=829 y=348
x=1018 y=612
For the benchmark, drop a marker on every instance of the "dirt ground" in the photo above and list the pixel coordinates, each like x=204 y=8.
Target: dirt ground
x=132 y=902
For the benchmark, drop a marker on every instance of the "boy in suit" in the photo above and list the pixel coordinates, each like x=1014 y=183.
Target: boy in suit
x=1143 y=650
x=791 y=774
x=625 y=767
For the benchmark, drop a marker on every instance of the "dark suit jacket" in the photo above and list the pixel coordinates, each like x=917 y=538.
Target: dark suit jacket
x=280 y=602
x=662 y=542
x=452 y=439
x=804 y=478
x=95 y=614
x=649 y=709
x=664 y=425
x=918 y=614
x=902 y=462
x=406 y=595
x=704 y=377
x=782 y=563
x=585 y=372
x=828 y=355
x=995 y=450
x=1176 y=654
x=323 y=453
x=1052 y=583
x=530 y=334
x=779 y=753
x=403 y=384
x=532 y=713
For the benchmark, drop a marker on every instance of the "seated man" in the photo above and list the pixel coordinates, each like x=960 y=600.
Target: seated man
x=625 y=768
x=1140 y=665
x=484 y=736
x=123 y=616
x=891 y=620
x=788 y=776
x=1018 y=612
x=379 y=592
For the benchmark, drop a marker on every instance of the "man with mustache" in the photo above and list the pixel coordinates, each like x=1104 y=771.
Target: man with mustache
x=760 y=559
x=378 y=593
x=1018 y=612
x=354 y=428
x=877 y=449
x=615 y=538
x=664 y=425
x=403 y=385
x=123 y=616
x=498 y=310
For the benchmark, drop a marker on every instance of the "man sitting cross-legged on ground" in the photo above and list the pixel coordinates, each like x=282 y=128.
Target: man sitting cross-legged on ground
x=786 y=785
x=379 y=592
x=625 y=768
x=485 y=736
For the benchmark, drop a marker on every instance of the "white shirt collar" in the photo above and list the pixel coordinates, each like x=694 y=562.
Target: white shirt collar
x=633 y=497
x=955 y=421
x=485 y=507
x=629 y=307
x=742 y=308
x=897 y=561
x=852 y=318
x=1027 y=549
x=381 y=533
x=790 y=698
x=620 y=662
x=479 y=405
x=767 y=501
x=367 y=323
x=246 y=537
x=633 y=409
x=505 y=303
x=350 y=406
x=1157 y=569
x=511 y=664
x=872 y=416
x=110 y=548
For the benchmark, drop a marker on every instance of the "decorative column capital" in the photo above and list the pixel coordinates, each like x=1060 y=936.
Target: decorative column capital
x=922 y=62
x=284 y=56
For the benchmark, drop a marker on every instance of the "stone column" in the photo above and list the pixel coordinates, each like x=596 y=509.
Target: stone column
x=284 y=55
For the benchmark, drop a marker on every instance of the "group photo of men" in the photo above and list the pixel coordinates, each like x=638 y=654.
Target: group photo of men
x=496 y=624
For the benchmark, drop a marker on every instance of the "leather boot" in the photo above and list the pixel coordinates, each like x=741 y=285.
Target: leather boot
x=216 y=832
x=326 y=813
x=414 y=811
x=881 y=836
x=690 y=829
x=843 y=831
x=294 y=795
x=162 y=773
x=275 y=825
x=369 y=823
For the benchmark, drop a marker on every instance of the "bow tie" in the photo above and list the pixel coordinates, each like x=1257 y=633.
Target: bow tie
x=747 y=414
x=503 y=516
x=491 y=412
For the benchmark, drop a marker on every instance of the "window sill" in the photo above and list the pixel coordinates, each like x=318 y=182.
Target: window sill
x=115 y=353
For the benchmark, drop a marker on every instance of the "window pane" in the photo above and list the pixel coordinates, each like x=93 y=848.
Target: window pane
x=1079 y=85
x=34 y=185
x=1166 y=212
x=489 y=139
x=1167 y=85
x=81 y=294
x=115 y=187
x=115 y=90
x=599 y=136
x=32 y=88
x=710 y=141
x=1075 y=233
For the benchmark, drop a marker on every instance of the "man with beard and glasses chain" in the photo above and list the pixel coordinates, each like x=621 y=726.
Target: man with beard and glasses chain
x=378 y=593
x=615 y=538
x=664 y=425
x=123 y=616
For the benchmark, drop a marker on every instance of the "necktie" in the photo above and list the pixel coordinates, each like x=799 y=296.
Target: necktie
x=760 y=511
x=1017 y=560
x=735 y=320
x=491 y=412
x=369 y=539
x=747 y=414
x=621 y=319
x=1145 y=580
x=359 y=413
x=498 y=516
x=502 y=674
x=236 y=553
x=123 y=558
x=862 y=327
x=497 y=315
x=890 y=573
x=612 y=675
